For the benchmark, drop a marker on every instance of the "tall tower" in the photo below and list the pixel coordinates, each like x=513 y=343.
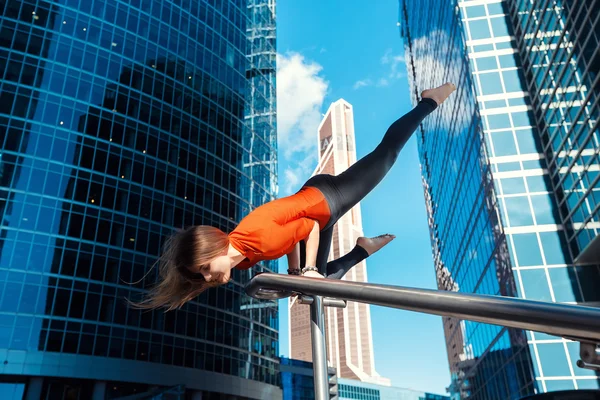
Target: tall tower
x=349 y=336
x=510 y=173
x=120 y=121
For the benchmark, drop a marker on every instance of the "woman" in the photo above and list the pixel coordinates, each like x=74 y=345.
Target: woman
x=202 y=256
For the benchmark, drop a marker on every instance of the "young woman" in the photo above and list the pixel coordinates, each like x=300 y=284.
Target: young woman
x=202 y=256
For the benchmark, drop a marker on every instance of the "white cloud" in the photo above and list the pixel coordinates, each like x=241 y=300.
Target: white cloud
x=394 y=69
x=395 y=63
x=301 y=90
x=385 y=59
x=292 y=178
x=361 y=83
x=299 y=173
x=388 y=58
x=383 y=82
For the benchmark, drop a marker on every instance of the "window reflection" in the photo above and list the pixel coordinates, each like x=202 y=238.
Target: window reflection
x=553 y=358
x=527 y=249
x=479 y=29
x=518 y=211
x=535 y=283
x=513 y=185
x=490 y=82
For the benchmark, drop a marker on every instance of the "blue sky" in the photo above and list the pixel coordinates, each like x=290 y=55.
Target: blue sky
x=352 y=50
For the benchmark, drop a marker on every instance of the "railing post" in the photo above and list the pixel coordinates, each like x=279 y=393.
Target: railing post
x=319 y=348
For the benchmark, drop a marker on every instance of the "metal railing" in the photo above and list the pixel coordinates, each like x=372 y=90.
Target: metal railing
x=578 y=323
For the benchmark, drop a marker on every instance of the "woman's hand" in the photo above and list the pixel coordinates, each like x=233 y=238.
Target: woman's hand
x=313 y=274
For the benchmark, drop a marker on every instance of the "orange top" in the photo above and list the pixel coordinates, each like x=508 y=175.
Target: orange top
x=273 y=229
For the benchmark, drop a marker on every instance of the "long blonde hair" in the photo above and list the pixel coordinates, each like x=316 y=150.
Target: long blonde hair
x=183 y=251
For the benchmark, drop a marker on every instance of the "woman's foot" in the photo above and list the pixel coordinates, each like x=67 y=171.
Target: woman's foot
x=371 y=245
x=440 y=93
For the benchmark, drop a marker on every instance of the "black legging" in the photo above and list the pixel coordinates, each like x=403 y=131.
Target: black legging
x=347 y=189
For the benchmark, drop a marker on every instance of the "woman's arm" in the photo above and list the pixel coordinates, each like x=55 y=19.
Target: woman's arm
x=300 y=228
x=293 y=258
x=312 y=248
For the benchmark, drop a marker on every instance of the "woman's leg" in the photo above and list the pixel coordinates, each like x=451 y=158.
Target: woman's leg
x=336 y=269
x=365 y=247
x=363 y=176
x=325 y=238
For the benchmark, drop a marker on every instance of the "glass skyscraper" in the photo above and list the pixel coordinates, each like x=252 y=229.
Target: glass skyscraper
x=297 y=382
x=120 y=121
x=509 y=170
x=558 y=45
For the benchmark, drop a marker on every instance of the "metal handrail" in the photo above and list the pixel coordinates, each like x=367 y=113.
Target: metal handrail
x=577 y=323
x=569 y=321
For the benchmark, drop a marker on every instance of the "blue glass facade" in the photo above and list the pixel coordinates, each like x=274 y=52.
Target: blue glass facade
x=356 y=390
x=470 y=249
x=120 y=121
x=260 y=160
x=520 y=106
x=558 y=45
x=12 y=391
x=542 y=260
x=297 y=382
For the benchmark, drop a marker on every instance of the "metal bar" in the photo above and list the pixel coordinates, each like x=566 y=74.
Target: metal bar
x=327 y=302
x=319 y=349
x=590 y=356
x=569 y=321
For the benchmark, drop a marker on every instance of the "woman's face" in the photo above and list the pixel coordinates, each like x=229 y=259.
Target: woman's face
x=218 y=270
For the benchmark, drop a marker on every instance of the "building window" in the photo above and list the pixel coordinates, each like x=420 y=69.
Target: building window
x=535 y=283
x=12 y=391
x=479 y=29
x=527 y=249
x=543 y=210
x=564 y=284
x=491 y=83
x=513 y=185
x=499 y=27
x=553 y=359
x=518 y=210
x=554 y=251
